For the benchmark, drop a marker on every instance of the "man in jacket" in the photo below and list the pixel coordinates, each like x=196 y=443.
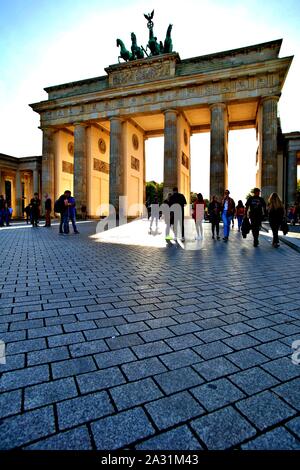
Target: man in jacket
x=177 y=198
x=48 y=209
x=256 y=207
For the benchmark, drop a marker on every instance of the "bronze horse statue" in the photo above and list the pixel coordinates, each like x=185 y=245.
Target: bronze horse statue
x=137 y=52
x=124 y=53
x=168 y=45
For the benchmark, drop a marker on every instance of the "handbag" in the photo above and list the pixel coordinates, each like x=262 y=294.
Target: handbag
x=246 y=226
x=284 y=226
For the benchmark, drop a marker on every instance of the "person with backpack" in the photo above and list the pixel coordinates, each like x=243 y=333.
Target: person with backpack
x=239 y=213
x=256 y=207
x=61 y=207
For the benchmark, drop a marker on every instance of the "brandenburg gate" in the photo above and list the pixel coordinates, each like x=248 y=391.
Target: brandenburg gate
x=94 y=130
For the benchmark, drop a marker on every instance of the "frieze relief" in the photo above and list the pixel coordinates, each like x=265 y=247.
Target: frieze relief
x=140 y=74
x=202 y=93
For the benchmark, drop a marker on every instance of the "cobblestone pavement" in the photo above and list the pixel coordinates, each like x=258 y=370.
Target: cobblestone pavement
x=114 y=346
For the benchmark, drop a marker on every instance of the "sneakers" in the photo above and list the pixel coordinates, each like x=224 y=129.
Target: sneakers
x=255 y=243
x=213 y=237
x=225 y=239
x=76 y=231
x=218 y=238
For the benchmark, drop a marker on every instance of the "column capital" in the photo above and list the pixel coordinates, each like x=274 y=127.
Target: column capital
x=218 y=105
x=269 y=98
x=48 y=129
x=116 y=118
x=80 y=124
x=171 y=110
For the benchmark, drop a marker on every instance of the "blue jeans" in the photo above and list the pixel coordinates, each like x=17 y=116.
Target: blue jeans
x=226 y=221
x=240 y=220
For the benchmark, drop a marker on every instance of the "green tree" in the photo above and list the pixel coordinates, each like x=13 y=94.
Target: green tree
x=154 y=189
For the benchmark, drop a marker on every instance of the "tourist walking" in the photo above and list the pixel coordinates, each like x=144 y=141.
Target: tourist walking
x=214 y=213
x=276 y=214
x=48 y=209
x=2 y=210
x=154 y=214
x=198 y=215
x=256 y=210
x=228 y=209
x=239 y=213
x=35 y=204
x=27 y=211
x=179 y=199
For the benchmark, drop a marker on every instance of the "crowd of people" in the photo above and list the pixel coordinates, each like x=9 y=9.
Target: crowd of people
x=249 y=216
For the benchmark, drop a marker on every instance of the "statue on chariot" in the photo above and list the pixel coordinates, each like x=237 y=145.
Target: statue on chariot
x=155 y=47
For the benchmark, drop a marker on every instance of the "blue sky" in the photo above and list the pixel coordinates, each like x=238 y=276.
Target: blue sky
x=47 y=42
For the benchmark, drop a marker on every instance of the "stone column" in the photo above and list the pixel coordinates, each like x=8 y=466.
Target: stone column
x=116 y=168
x=18 y=194
x=80 y=165
x=144 y=170
x=171 y=165
x=47 y=163
x=36 y=186
x=269 y=146
x=218 y=149
x=291 y=176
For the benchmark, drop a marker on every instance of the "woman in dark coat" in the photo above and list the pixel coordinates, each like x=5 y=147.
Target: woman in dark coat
x=276 y=215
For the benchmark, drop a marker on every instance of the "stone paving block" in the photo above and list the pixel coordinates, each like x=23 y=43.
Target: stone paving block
x=47 y=355
x=139 y=317
x=100 y=333
x=83 y=409
x=45 y=331
x=76 y=440
x=144 y=368
x=215 y=368
x=180 y=438
x=24 y=377
x=210 y=323
x=131 y=328
x=247 y=358
x=108 y=322
x=241 y=342
x=88 y=348
x=135 y=393
x=160 y=322
x=178 y=359
x=183 y=342
x=49 y=393
x=13 y=362
x=60 y=320
x=113 y=358
x=72 y=367
x=21 y=429
x=187 y=317
x=266 y=334
x=95 y=315
x=234 y=317
x=208 y=313
x=287 y=329
x=26 y=324
x=115 y=432
x=116 y=312
x=274 y=349
x=290 y=392
x=156 y=334
x=100 y=380
x=265 y=410
x=25 y=346
x=151 y=349
x=214 y=349
x=294 y=426
x=258 y=323
x=168 y=411
x=178 y=379
x=124 y=341
x=214 y=334
x=79 y=326
x=237 y=328
x=253 y=380
x=217 y=394
x=65 y=339
x=283 y=369
x=10 y=403
x=184 y=328
x=13 y=336
x=277 y=439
